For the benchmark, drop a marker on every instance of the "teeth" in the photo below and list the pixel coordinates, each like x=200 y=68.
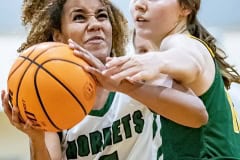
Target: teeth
x=140 y=19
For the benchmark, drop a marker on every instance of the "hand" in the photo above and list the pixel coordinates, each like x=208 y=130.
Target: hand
x=95 y=66
x=13 y=115
x=86 y=55
x=137 y=68
x=103 y=80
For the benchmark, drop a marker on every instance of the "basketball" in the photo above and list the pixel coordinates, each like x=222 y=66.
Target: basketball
x=48 y=84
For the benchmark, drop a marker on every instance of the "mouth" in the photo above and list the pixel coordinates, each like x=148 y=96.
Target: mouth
x=140 y=19
x=95 y=40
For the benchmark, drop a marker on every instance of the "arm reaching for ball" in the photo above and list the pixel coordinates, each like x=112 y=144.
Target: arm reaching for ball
x=177 y=105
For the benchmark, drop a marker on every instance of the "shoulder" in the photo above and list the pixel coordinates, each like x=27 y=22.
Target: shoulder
x=185 y=44
x=181 y=40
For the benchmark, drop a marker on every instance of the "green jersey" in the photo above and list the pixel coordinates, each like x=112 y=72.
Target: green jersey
x=219 y=139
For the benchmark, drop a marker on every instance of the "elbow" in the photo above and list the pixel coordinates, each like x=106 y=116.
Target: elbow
x=195 y=70
x=202 y=118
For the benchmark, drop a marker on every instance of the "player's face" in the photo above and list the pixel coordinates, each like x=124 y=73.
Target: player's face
x=153 y=19
x=87 y=23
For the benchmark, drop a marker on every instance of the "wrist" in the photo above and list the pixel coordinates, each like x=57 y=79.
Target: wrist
x=127 y=87
x=37 y=138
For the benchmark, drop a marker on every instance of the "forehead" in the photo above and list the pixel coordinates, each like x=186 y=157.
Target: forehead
x=85 y=5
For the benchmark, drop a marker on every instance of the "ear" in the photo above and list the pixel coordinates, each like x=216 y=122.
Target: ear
x=57 y=36
x=185 y=11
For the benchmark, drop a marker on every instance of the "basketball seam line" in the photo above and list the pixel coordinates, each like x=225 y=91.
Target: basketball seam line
x=41 y=66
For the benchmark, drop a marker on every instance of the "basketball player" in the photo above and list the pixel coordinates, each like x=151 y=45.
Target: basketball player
x=188 y=54
x=121 y=125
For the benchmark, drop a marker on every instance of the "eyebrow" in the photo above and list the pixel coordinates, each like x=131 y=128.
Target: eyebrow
x=80 y=10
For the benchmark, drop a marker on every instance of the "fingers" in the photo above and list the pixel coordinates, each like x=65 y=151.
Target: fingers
x=19 y=124
x=6 y=108
x=128 y=68
x=109 y=59
x=73 y=45
x=140 y=77
x=78 y=50
x=125 y=73
x=85 y=55
x=15 y=118
x=95 y=72
x=13 y=115
x=11 y=112
x=117 y=61
x=28 y=125
x=2 y=94
x=117 y=65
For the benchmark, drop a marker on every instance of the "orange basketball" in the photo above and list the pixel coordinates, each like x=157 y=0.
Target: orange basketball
x=49 y=86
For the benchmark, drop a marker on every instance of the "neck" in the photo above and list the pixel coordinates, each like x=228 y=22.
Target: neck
x=180 y=27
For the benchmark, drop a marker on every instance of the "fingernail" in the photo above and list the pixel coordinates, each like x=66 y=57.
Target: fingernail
x=86 y=67
x=76 y=51
x=71 y=45
x=104 y=72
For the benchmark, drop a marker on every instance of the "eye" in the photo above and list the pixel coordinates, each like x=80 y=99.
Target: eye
x=102 y=16
x=79 y=18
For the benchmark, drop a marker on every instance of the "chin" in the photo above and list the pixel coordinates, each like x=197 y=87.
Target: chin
x=101 y=54
x=144 y=33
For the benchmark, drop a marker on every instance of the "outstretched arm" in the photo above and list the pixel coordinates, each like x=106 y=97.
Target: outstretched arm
x=176 y=103
x=181 y=57
x=178 y=106
x=173 y=103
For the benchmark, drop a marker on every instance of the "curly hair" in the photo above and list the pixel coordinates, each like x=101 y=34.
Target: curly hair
x=48 y=17
x=30 y=8
x=229 y=73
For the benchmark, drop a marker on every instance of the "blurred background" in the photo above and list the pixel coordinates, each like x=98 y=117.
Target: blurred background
x=220 y=17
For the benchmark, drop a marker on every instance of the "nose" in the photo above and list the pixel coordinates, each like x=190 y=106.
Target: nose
x=140 y=5
x=94 y=24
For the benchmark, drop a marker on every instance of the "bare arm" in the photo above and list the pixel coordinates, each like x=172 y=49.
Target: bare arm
x=182 y=58
x=53 y=145
x=179 y=57
x=181 y=107
x=46 y=147
x=38 y=148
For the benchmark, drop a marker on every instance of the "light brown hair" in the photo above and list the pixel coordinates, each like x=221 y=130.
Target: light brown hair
x=229 y=73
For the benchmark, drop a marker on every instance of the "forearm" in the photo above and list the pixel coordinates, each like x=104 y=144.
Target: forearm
x=182 y=108
x=38 y=149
